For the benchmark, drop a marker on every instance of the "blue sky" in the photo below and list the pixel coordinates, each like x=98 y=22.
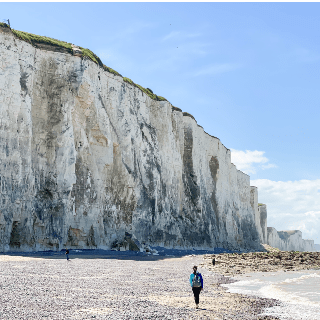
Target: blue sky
x=248 y=72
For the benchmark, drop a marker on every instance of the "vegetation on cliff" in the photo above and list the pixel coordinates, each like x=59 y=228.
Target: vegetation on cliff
x=34 y=40
x=38 y=40
x=108 y=69
x=4 y=25
x=147 y=91
x=88 y=53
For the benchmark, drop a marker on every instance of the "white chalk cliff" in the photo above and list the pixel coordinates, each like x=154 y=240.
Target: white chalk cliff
x=289 y=240
x=86 y=157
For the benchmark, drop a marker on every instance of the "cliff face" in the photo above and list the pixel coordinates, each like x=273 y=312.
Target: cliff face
x=289 y=240
x=260 y=215
x=262 y=210
x=86 y=156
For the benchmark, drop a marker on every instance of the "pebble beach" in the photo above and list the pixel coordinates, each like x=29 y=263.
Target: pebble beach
x=117 y=287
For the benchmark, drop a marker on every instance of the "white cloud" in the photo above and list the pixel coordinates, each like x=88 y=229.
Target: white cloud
x=249 y=161
x=214 y=69
x=268 y=166
x=292 y=205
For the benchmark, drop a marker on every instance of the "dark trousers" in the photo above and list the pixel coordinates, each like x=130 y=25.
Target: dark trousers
x=196 y=292
x=67 y=257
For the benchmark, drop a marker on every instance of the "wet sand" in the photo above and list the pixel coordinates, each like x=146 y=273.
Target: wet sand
x=117 y=287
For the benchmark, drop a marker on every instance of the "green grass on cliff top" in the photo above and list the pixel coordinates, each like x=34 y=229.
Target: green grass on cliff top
x=147 y=91
x=3 y=25
x=35 y=39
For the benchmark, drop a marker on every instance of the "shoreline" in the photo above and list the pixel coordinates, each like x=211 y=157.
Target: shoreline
x=287 y=305
x=229 y=266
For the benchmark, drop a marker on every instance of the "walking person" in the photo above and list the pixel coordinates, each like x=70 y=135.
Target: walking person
x=196 y=282
x=67 y=254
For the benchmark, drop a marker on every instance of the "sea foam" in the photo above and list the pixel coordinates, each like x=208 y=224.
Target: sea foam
x=299 y=292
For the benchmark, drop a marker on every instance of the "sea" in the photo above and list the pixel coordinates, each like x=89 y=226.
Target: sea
x=299 y=292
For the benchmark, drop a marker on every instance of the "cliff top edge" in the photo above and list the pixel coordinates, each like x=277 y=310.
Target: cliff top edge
x=43 y=42
x=47 y=43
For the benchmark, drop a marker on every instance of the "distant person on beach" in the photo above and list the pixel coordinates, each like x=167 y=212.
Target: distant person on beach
x=196 y=282
x=67 y=254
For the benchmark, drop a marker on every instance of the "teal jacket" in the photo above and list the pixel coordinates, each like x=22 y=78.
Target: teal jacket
x=192 y=276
